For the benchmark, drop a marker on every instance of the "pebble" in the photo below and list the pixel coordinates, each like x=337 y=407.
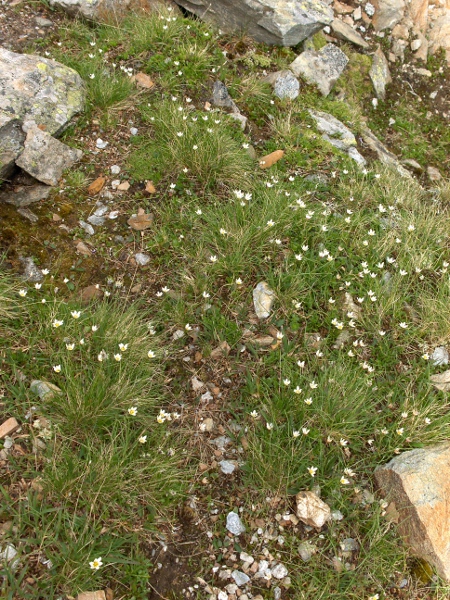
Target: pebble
x=234 y=524
x=113 y=214
x=101 y=210
x=8 y=554
x=277 y=593
x=100 y=144
x=115 y=170
x=32 y=273
x=227 y=467
x=8 y=443
x=240 y=578
x=177 y=335
x=95 y=220
x=279 y=571
x=336 y=515
x=349 y=545
x=246 y=558
x=439 y=356
x=87 y=228
x=141 y=258
x=306 y=550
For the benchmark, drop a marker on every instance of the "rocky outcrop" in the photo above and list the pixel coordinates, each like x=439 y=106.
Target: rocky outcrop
x=321 y=67
x=418 y=482
x=100 y=10
x=337 y=134
x=34 y=90
x=275 y=22
x=379 y=74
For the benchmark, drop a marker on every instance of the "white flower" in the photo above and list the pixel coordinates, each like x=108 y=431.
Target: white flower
x=117 y=357
x=76 y=314
x=349 y=472
x=343 y=442
x=45 y=271
x=270 y=223
x=57 y=368
x=280 y=335
x=297 y=390
x=286 y=381
x=96 y=563
x=305 y=430
x=123 y=347
x=400 y=431
x=344 y=480
x=254 y=414
x=94 y=327
x=151 y=354
x=238 y=281
x=313 y=385
x=38 y=286
x=57 y=323
x=223 y=231
x=213 y=258
x=312 y=471
x=269 y=426
x=132 y=411
x=206 y=295
x=296 y=434
x=298 y=257
x=70 y=346
x=403 y=325
x=308 y=401
x=23 y=293
x=188 y=327
x=142 y=439
x=426 y=356
x=102 y=356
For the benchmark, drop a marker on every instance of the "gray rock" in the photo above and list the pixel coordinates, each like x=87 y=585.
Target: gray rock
x=387 y=13
x=234 y=524
x=276 y=593
x=141 y=258
x=311 y=510
x=306 y=551
x=222 y=98
x=321 y=67
x=23 y=195
x=440 y=356
x=87 y=228
x=380 y=74
x=240 y=578
x=285 y=84
x=357 y=157
x=42 y=22
x=34 y=89
x=384 y=155
x=274 y=22
x=96 y=220
x=44 y=389
x=334 y=131
x=345 y=32
x=12 y=138
x=31 y=272
x=413 y=165
x=28 y=214
x=242 y=119
x=279 y=571
x=8 y=554
x=44 y=157
x=227 y=467
x=349 y=545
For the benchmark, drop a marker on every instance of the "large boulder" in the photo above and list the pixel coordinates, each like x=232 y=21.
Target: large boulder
x=418 y=482
x=275 y=22
x=102 y=10
x=34 y=90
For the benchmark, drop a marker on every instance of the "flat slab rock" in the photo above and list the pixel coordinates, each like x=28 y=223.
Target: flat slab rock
x=418 y=482
x=23 y=195
x=320 y=67
x=275 y=22
x=46 y=158
x=34 y=89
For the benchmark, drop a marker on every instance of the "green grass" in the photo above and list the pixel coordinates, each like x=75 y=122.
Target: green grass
x=102 y=485
x=358 y=262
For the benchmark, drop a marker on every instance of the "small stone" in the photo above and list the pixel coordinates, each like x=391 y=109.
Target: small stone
x=143 y=80
x=231 y=588
x=311 y=510
x=234 y=524
x=276 y=593
x=87 y=228
x=433 y=174
x=8 y=554
x=133 y=131
x=241 y=118
x=81 y=248
x=28 y=214
x=115 y=169
x=336 y=515
x=349 y=545
x=42 y=22
x=279 y=571
x=285 y=84
x=96 y=186
x=208 y=424
x=440 y=356
x=346 y=32
x=100 y=595
x=306 y=551
x=100 y=144
x=32 y=273
x=246 y=558
x=124 y=186
x=222 y=98
x=141 y=258
x=177 y=335
x=415 y=44
x=380 y=74
x=44 y=389
x=263 y=298
x=95 y=220
x=321 y=67
x=240 y=578
x=227 y=467
x=8 y=427
x=24 y=195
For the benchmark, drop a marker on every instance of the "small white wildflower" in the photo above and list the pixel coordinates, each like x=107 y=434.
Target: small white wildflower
x=133 y=411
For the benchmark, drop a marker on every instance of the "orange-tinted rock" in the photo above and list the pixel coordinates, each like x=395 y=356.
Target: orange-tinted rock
x=270 y=159
x=8 y=427
x=418 y=482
